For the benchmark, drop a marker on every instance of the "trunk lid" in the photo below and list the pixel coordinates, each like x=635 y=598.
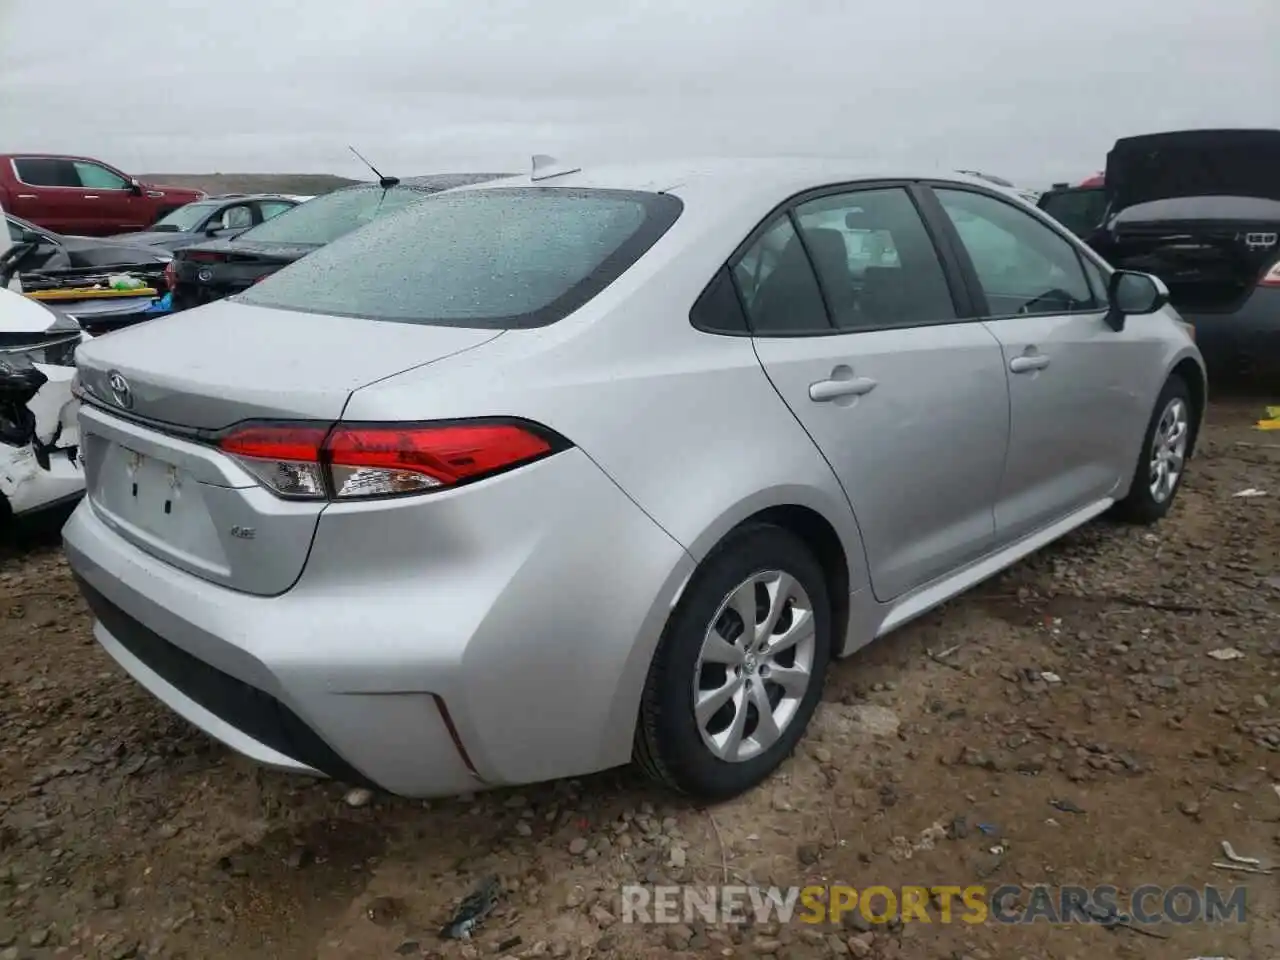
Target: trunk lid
x=1193 y=163
x=235 y=250
x=1209 y=251
x=157 y=392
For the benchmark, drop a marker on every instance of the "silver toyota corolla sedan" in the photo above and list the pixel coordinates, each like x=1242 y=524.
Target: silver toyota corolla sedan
x=544 y=476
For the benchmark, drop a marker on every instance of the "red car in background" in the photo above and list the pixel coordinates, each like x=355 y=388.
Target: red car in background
x=81 y=196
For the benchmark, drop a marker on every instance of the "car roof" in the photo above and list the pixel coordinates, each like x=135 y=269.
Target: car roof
x=243 y=196
x=46 y=155
x=431 y=182
x=733 y=180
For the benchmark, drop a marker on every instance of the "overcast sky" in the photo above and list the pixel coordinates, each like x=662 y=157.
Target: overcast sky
x=1031 y=90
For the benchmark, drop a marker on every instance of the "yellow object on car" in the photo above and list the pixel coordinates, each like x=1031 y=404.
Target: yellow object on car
x=91 y=293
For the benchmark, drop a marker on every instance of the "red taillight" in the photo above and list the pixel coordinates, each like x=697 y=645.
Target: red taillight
x=285 y=457
x=1272 y=277
x=205 y=256
x=170 y=275
x=352 y=460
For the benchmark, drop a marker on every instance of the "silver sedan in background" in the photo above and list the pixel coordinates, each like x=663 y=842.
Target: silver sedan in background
x=538 y=477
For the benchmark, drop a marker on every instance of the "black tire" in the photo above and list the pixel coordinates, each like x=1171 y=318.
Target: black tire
x=668 y=744
x=1140 y=506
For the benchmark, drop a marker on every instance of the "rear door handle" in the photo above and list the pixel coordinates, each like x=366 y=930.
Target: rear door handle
x=27 y=196
x=1026 y=364
x=826 y=390
x=91 y=196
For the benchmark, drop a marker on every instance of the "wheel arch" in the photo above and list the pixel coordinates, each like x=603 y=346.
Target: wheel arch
x=826 y=527
x=821 y=518
x=1193 y=375
x=814 y=530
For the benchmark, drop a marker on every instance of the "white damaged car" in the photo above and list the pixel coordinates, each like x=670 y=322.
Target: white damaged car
x=39 y=436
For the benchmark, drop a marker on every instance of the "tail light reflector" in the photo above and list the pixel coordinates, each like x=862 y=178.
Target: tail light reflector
x=349 y=461
x=1272 y=277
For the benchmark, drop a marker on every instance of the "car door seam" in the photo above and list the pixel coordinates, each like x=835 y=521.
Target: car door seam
x=639 y=506
x=1008 y=428
x=816 y=446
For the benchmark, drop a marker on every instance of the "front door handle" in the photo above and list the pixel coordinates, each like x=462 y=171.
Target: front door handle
x=826 y=390
x=1026 y=364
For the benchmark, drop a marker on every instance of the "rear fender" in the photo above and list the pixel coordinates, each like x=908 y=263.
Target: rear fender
x=853 y=628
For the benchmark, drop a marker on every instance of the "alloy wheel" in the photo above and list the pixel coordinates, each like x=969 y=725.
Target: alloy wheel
x=1168 y=450
x=755 y=666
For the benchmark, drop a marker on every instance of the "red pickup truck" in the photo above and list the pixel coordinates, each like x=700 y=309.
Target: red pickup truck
x=82 y=196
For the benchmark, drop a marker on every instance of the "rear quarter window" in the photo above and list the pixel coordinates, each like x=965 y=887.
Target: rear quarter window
x=500 y=258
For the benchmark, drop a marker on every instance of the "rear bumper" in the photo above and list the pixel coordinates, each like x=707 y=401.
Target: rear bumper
x=1246 y=340
x=241 y=716
x=405 y=656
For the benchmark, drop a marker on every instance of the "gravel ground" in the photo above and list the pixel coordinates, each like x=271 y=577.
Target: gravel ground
x=126 y=833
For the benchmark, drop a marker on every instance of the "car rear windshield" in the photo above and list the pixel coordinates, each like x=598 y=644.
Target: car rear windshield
x=333 y=215
x=1079 y=209
x=496 y=258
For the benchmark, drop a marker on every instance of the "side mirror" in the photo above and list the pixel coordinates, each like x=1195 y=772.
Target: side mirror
x=135 y=187
x=1134 y=294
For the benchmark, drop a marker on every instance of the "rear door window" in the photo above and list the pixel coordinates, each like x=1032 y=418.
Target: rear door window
x=46 y=172
x=502 y=258
x=876 y=261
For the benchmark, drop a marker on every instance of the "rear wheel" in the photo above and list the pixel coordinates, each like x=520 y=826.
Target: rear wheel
x=1163 y=459
x=739 y=671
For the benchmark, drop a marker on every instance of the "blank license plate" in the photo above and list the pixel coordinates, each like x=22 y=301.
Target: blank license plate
x=141 y=489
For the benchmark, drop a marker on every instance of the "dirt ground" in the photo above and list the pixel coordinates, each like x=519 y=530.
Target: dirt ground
x=126 y=833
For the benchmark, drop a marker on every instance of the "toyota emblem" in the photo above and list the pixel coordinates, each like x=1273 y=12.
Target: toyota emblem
x=120 y=389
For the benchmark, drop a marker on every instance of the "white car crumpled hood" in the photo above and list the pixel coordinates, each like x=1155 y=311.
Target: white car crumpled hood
x=23 y=482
